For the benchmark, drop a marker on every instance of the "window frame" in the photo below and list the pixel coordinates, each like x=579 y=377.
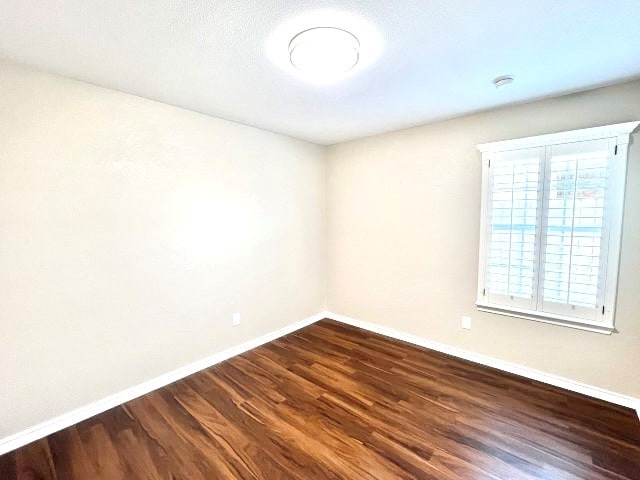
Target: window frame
x=619 y=136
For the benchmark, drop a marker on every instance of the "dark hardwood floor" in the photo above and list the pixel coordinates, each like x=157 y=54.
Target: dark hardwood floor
x=334 y=402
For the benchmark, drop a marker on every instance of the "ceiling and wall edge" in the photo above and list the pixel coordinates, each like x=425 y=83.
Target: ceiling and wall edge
x=436 y=120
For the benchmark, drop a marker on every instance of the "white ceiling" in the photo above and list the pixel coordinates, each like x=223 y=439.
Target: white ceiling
x=224 y=58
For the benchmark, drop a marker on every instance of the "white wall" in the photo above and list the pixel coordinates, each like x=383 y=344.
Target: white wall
x=130 y=231
x=403 y=228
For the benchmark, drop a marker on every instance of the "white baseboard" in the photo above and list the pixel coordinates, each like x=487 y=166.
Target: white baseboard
x=572 y=385
x=55 y=424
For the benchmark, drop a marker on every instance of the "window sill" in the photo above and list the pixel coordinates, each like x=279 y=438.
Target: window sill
x=562 y=320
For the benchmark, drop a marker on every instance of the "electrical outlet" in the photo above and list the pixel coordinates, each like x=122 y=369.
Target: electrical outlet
x=236 y=320
x=466 y=323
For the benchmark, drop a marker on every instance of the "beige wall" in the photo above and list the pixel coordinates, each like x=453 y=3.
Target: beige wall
x=403 y=228
x=130 y=231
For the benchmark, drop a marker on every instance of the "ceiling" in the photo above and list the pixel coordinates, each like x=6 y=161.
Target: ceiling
x=422 y=60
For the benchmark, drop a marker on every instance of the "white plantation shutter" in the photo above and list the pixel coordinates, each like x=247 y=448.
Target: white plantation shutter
x=551 y=226
x=515 y=181
x=575 y=228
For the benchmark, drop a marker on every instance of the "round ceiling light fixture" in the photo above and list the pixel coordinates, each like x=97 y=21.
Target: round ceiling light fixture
x=503 y=81
x=324 y=53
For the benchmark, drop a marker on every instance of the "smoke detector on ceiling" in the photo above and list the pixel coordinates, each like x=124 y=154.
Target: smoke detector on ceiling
x=503 y=81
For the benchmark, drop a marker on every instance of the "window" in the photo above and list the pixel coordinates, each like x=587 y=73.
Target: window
x=551 y=225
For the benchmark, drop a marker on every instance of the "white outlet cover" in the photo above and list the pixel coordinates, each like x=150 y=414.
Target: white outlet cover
x=466 y=323
x=236 y=319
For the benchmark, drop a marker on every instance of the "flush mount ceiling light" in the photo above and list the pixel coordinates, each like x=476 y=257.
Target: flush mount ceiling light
x=503 y=81
x=324 y=53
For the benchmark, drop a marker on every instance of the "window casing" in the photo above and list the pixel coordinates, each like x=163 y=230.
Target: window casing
x=551 y=225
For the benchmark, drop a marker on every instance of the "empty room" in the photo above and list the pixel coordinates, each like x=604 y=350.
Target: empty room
x=319 y=240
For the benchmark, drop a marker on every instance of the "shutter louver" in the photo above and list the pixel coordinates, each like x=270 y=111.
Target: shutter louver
x=575 y=229
x=513 y=223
